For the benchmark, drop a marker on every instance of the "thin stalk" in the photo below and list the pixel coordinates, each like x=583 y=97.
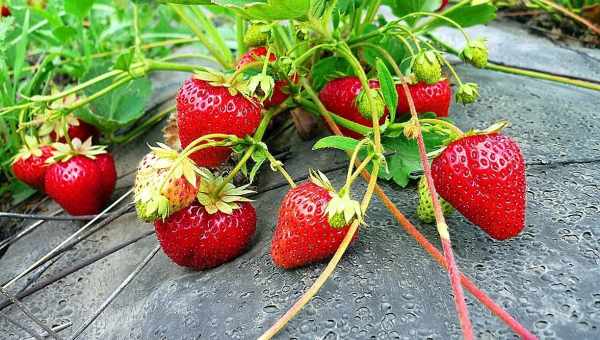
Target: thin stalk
x=434 y=252
x=167 y=66
x=213 y=34
x=240 y=27
x=79 y=87
x=521 y=71
x=189 y=55
x=201 y=36
x=258 y=135
x=572 y=15
x=324 y=276
x=346 y=123
x=442 y=227
x=370 y=16
x=279 y=167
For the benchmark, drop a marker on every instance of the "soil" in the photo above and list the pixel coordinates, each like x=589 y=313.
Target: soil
x=557 y=27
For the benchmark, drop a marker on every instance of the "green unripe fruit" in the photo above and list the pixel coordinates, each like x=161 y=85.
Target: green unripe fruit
x=364 y=107
x=425 y=211
x=476 y=53
x=257 y=35
x=337 y=221
x=427 y=67
x=467 y=93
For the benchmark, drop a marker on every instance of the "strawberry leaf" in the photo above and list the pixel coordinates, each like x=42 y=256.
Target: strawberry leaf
x=388 y=89
x=336 y=142
x=121 y=107
x=405 y=155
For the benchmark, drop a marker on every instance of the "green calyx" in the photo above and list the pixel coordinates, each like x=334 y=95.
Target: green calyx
x=341 y=209
x=427 y=67
x=467 y=93
x=31 y=147
x=233 y=83
x=476 y=53
x=166 y=182
x=364 y=106
x=63 y=152
x=223 y=200
x=258 y=34
x=425 y=211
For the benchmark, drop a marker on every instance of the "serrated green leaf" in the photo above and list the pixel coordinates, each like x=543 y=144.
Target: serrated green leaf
x=121 y=107
x=78 y=8
x=467 y=16
x=336 y=142
x=388 y=88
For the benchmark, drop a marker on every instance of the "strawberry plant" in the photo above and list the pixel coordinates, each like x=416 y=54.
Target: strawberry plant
x=381 y=84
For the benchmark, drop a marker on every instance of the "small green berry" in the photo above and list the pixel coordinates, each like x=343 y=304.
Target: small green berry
x=364 y=106
x=476 y=53
x=337 y=220
x=427 y=67
x=425 y=208
x=467 y=93
x=257 y=35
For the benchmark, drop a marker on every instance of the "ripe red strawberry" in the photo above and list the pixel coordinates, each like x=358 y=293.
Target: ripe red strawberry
x=434 y=98
x=483 y=177
x=106 y=166
x=5 y=11
x=253 y=55
x=304 y=233
x=30 y=164
x=196 y=239
x=77 y=129
x=78 y=180
x=211 y=231
x=443 y=5
x=280 y=92
x=339 y=96
x=204 y=109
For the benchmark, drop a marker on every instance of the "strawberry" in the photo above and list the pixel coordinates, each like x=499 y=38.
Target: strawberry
x=434 y=98
x=77 y=180
x=204 y=108
x=106 y=166
x=427 y=68
x=253 y=55
x=443 y=5
x=29 y=165
x=280 y=91
x=257 y=34
x=340 y=97
x=196 y=239
x=158 y=191
x=311 y=224
x=425 y=211
x=77 y=129
x=483 y=177
x=4 y=11
x=214 y=230
x=476 y=53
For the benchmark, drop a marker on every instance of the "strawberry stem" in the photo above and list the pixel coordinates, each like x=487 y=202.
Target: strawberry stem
x=442 y=227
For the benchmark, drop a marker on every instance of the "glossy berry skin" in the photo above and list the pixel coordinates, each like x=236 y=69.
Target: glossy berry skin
x=339 y=96
x=303 y=235
x=483 y=177
x=434 y=98
x=77 y=185
x=4 y=11
x=253 y=55
x=83 y=131
x=280 y=93
x=32 y=170
x=443 y=5
x=108 y=171
x=205 y=109
x=196 y=239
